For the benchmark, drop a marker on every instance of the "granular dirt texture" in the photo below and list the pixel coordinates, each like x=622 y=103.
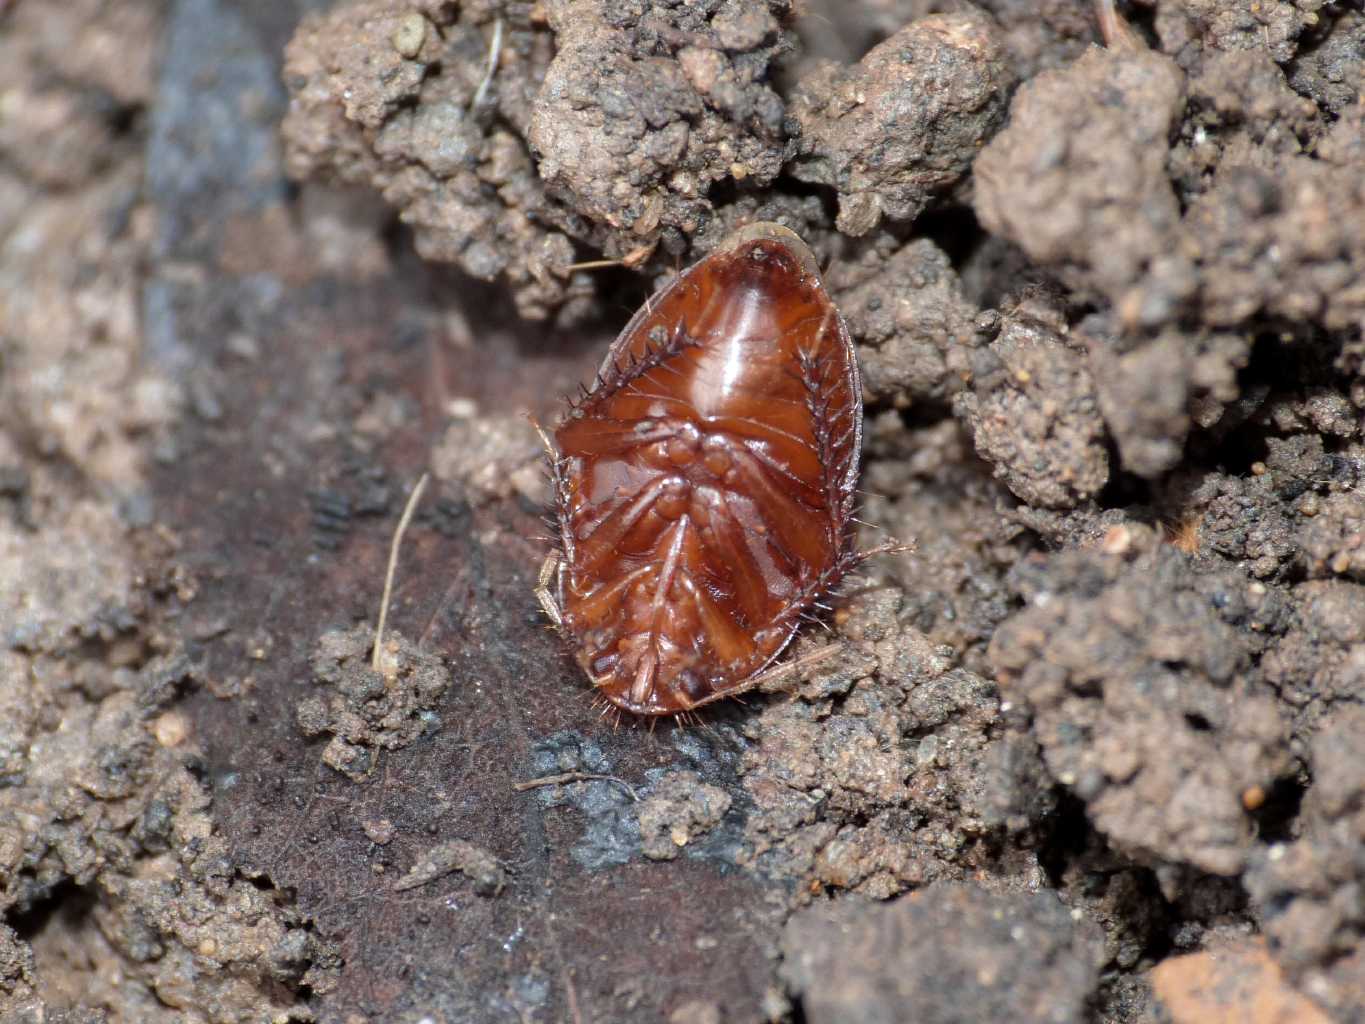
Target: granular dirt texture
x=1318 y=664
x=1334 y=542
x=646 y=107
x=1143 y=395
x=679 y=808
x=370 y=709
x=107 y=839
x=873 y=782
x=1032 y=413
x=122 y=898
x=951 y=952
x=1077 y=179
x=1093 y=738
x=1280 y=241
x=1187 y=28
x=482 y=869
x=1154 y=392
x=1328 y=70
x=914 y=342
x=1164 y=732
x=1308 y=891
x=493 y=457
x=1267 y=229
x=905 y=122
x=392 y=95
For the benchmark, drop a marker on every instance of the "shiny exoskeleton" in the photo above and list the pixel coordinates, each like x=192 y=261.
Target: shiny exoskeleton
x=705 y=484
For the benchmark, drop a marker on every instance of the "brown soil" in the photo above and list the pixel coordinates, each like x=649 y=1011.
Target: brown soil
x=1092 y=752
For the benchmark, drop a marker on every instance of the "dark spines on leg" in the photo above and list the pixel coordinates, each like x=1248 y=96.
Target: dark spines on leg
x=825 y=420
x=622 y=371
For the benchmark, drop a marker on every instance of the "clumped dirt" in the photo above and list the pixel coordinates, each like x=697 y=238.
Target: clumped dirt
x=1029 y=959
x=902 y=124
x=679 y=809
x=916 y=341
x=874 y=780
x=371 y=709
x=1034 y=415
x=1317 y=936
x=1090 y=752
x=475 y=863
x=1138 y=681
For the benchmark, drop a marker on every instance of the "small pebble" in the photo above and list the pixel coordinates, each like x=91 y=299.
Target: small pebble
x=410 y=34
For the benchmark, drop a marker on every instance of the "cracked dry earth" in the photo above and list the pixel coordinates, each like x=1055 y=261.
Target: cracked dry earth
x=1091 y=753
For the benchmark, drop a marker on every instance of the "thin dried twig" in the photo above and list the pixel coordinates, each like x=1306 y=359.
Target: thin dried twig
x=631 y=260
x=591 y=265
x=411 y=506
x=567 y=777
x=494 y=51
x=1117 y=33
x=572 y=994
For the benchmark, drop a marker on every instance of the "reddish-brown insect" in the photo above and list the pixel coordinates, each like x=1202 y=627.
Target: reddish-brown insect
x=705 y=483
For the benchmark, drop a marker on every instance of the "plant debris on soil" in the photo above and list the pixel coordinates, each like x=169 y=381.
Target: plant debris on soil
x=1090 y=752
